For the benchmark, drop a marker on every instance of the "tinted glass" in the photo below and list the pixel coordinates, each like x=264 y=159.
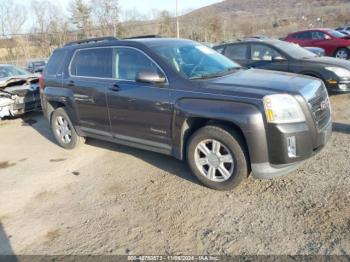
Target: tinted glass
x=93 y=63
x=236 y=52
x=56 y=60
x=303 y=35
x=195 y=61
x=128 y=62
x=8 y=71
x=263 y=53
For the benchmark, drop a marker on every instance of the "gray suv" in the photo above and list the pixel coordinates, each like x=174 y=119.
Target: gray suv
x=183 y=99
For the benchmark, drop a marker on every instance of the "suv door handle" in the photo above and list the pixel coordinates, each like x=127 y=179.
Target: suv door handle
x=114 y=88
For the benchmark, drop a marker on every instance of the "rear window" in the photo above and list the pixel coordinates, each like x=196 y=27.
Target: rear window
x=95 y=62
x=55 y=63
x=236 y=52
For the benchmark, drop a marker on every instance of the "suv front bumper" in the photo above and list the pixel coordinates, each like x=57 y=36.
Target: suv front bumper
x=305 y=150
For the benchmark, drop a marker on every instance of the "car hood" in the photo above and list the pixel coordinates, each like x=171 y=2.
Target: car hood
x=257 y=83
x=20 y=80
x=330 y=61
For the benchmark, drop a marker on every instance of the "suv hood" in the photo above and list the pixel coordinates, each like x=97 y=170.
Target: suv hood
x=258 y=83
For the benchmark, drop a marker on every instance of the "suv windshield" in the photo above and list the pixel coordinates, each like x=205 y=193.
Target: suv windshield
x=294 y=50
x=8 y=71
x=195 y=61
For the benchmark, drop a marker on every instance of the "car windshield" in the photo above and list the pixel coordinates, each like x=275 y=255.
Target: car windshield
x=196 y=61
x=295 y=50
x=335 y=33
x=8 y=71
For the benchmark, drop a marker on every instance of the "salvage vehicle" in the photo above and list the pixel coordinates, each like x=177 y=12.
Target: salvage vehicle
x=278 y=55
x=183 y=99
x=333 y=42
x=19 y=91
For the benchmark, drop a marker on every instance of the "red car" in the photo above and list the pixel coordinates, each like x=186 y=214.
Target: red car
x=333 y=42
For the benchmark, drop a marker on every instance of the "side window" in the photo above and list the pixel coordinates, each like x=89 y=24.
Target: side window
x=236 y=52
x=128 y=62
x=55 y=62
x=95 y=62
x=317 y=35
x=263 y=53
x=303 y=35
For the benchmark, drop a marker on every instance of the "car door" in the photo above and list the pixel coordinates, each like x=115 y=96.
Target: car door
x=322 y=40
x=89 y=78
x=302 y=38
x=263 y=56
x=237 y=53
x=139 y=112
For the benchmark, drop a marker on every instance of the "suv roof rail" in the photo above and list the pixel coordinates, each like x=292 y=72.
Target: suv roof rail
x=143 y=36
x=92 y=40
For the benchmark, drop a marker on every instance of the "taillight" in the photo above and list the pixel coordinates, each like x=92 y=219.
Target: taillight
x=42 y=82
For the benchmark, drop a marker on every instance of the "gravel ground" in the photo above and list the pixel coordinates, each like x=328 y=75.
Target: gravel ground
x=110 y=199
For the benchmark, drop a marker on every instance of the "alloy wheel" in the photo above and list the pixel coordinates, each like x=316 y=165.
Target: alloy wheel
x=214 y=160
x=63 y=130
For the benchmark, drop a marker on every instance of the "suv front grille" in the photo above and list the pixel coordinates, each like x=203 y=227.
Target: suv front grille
x=320 y=107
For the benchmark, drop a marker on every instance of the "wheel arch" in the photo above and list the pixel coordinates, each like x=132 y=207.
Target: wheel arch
x=245 y=119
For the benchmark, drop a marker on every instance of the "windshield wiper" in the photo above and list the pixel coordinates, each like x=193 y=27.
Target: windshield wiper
x=217 y=74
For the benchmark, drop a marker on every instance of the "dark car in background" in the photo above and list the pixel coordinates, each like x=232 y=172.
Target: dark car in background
x=36 y=66
x=288 y=57
x=183 y=99
x=333 y=42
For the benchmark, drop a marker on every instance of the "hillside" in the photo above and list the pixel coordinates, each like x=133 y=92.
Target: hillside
x=259 y=7
x=236 y=18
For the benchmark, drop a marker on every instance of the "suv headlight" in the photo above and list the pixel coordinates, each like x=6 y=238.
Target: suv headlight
x=341 y=72
x=283 y=109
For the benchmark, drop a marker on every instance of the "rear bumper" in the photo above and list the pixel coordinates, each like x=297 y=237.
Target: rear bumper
x=280 y=163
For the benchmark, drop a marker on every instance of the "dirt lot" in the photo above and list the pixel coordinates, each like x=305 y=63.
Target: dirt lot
x=111 y=199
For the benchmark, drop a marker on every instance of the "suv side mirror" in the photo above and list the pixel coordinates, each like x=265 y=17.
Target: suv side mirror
x=150 y=77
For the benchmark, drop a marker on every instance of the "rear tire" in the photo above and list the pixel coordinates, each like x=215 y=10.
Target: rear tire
x=64 y=131
x=217 y=156
x=342 y=53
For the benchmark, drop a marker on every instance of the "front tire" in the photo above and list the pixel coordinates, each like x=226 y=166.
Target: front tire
x=342 y=53
x=217 y=157
x=64 y=131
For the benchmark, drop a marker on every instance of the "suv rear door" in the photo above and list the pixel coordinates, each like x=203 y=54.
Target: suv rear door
x=139 y=112
x=89 y=78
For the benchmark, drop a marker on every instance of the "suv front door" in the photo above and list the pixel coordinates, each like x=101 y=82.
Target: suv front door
x=139 y=112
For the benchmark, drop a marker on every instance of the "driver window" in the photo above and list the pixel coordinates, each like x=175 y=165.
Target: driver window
x=128 y=62
x=317 y=35
x=263 y=53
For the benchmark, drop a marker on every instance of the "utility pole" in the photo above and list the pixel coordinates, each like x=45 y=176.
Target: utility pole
x=177 y=20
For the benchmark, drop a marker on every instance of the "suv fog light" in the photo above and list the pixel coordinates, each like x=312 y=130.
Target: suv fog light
x=292 y=147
